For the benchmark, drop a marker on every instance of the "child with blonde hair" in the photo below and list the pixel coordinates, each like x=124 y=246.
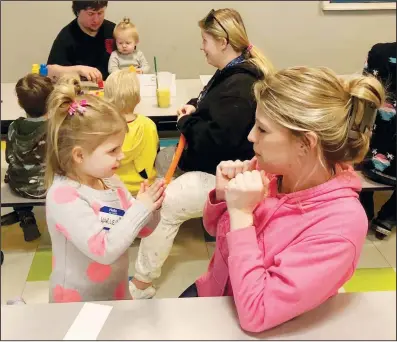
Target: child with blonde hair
x=92 y=218
x=127 y=54
x=141 y=143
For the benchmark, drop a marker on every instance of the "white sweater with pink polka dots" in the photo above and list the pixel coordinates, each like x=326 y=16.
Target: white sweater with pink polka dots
x=91 y=231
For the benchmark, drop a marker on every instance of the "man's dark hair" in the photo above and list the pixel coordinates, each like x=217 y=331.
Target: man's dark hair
x=77 y=6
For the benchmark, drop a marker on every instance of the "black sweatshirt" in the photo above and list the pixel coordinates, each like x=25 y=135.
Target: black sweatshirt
x=219 y=128
x=380 y=164
x=72 y=46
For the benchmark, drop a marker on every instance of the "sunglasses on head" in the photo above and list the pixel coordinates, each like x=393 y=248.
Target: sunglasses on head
x=210 y=17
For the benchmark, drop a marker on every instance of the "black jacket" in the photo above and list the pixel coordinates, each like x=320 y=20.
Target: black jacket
x=380 y=164
x=219 y=128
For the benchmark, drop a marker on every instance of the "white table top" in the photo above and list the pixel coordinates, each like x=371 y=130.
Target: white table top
x=347 y=316
x=185 y=90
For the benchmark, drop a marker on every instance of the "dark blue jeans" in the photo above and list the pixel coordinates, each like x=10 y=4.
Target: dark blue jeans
x=191 y=291
x=388 y=210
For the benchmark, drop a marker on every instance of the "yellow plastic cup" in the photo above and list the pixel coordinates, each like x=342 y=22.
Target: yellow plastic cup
x=164 y=81
x=163 y=98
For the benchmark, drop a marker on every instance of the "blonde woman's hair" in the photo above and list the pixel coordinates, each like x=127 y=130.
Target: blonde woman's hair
x=316 y=100
x=122 y=89
x=89 y=129
x=125 y=25
x=229 y=25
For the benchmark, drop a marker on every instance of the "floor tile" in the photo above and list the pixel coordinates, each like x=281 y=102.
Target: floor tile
x=12 y=236
x=388 y=248
x=12 y=239
x=36 y=292
x=14 y=272
x=179 y=277
x=370 y=238
x=372 y=258
x=41 y=266
x=372 y=279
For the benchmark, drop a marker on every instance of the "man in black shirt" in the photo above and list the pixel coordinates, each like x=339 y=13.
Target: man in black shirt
x=85 y=44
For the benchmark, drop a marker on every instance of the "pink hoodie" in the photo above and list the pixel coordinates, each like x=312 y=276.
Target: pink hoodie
x=301 y=249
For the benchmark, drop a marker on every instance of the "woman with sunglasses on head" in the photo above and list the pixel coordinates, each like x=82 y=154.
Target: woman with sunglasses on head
x=216 y=126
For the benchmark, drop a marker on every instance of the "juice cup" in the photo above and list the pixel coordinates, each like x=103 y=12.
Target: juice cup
x=163 y=93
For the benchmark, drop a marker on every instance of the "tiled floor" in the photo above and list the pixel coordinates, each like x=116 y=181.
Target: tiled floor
x=27 y=266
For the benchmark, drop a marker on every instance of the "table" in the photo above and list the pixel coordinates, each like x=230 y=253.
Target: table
x=370 y=185
x=165 y=118
x=347 y=316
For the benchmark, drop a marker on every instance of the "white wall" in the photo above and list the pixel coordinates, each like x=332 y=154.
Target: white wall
x=290 y=33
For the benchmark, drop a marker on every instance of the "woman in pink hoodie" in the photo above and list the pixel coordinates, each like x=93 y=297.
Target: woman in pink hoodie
x=289 y=226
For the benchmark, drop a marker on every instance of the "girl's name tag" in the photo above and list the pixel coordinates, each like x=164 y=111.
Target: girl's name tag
x=110 y=216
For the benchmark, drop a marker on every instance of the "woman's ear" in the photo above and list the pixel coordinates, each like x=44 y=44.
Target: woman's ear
x=312 y=140
x=223 y=44
x=308 y=141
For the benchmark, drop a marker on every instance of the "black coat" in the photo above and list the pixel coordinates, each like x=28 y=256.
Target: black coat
x=219 y=128
x=380 y=164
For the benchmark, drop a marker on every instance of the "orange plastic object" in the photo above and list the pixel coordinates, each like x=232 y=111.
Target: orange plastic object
x=100 y=85
x=175 y=159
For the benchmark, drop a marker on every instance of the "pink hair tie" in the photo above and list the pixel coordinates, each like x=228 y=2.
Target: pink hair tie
x=249 y=47
x=79 y=107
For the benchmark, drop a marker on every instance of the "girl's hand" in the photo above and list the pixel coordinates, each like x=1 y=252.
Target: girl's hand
x=144 y=186
x=228 y=170
x=152 y=196
x=243 y=193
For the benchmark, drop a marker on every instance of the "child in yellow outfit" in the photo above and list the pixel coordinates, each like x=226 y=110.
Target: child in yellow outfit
x=141 y=143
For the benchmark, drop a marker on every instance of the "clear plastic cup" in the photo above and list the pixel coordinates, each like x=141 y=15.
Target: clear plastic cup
x=163 y=92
